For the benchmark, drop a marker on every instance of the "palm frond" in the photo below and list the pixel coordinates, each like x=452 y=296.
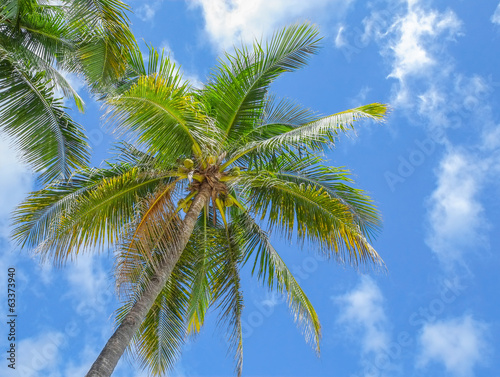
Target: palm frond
x=101 y=28
x=309 y=213
x=273 y=272
x=30 y=113
x=310 y=170
x=316 y=134
x=237 y=89
x=227 y=292
x=86 y=212
x=159 y=109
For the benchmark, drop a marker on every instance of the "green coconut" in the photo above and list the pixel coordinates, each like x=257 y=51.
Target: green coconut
x=235 y=172
x=188 y=163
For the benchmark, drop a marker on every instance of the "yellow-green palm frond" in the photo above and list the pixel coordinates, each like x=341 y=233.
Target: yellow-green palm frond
x=237 y=89
x=313 y=203
x=104 y=39
x=88 y=211
x=274 y=273
x=162 y=112
x=313 y=135
x=29 y=113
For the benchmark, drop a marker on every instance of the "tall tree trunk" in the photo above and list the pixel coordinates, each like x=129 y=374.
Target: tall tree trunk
x=116 y=345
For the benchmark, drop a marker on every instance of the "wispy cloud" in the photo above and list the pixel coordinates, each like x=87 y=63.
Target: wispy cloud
x=455 y=212
x=17 y=181
x=420 y=34
x=87 y=279
x=146 y=11
x=459 y=344
x=417 y=43
x=228 y=22
x=363 y=316
x=39 y=355
x=495 y=18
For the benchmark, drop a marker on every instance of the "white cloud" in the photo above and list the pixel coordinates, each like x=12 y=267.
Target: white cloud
x=147 y=10
x=455 y=213
x=363 y=309
x=17 y=181
x=459 y=344
x=495 y=18
x=88 y=282
x=413 y=37
x=340 y=39
x=363 y=317
x=39 y=353
x=228 y=22
x=421 y=36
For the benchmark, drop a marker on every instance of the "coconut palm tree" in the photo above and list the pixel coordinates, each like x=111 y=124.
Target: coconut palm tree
x=37 y=39
x=241 y=163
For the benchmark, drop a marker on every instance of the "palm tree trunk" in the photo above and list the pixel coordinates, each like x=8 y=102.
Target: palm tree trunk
x=116 y=345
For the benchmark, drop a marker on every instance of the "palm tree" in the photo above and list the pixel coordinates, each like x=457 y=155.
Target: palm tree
x=36 y=38
x=236 y=159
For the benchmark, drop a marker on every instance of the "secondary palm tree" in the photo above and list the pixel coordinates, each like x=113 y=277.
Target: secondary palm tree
x=37 y=38
x=234 y=158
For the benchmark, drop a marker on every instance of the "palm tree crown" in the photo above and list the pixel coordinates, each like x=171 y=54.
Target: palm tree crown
x=241 y=163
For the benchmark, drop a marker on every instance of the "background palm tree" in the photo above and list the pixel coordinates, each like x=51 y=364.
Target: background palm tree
x=37 y=38
x=236 y=159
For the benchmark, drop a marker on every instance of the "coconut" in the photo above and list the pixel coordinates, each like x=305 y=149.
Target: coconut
x=235 y=171
x=228 y=202
x=188 y=163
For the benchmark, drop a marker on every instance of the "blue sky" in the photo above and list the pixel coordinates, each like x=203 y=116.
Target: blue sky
x=432 y=169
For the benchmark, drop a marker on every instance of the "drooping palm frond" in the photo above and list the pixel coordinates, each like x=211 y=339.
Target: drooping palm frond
x=204 y=240
x=273 y=272
x=104 y=39
x=309 y=213
x=29 y=113
x=311 y=170
x=89 y=211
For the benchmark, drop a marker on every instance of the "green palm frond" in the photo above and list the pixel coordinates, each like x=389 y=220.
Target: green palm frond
x=310 y=170
x=87 y=212
x=30 y=113
x=309 y=213
x=101 y=28
x=203 y=241
x=278 y=116
x=316 y=134
x=273 y=272
x=155 y=64
x=24 y=59
x=238 y=87
x=162 y=112
x=227 y=292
